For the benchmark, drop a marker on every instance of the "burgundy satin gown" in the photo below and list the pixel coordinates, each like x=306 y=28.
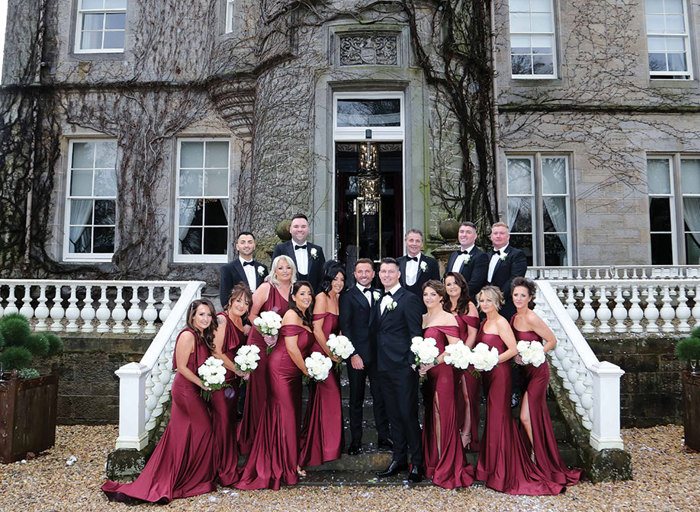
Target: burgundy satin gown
x=256 y=390
x=504 y=463
x=224 y=404
x=444 y=459
x=274 y=455
x=182 y=463
x=472 y=383
x=547 y=456
x=322 y=436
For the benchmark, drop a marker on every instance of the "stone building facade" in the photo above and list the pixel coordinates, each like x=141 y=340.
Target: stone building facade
x=180 y=123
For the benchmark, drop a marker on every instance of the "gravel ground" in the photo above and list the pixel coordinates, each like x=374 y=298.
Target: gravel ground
x=666 y=478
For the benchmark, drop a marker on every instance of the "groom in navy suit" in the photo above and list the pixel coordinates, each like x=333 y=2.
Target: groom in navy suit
x=307 y=257
x=397 y=319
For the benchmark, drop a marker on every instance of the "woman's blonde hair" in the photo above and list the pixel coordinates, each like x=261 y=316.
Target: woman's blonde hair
x=272 y=276
x=494 y=294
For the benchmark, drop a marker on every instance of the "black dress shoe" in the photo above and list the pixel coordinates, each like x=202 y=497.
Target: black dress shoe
x=415 y=475
x=385 y=444
x=355 y=449
x=393 y=469
x=514 y=400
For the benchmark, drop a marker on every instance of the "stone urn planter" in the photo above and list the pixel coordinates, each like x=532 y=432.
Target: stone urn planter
x=449 y=228
x=282 y=230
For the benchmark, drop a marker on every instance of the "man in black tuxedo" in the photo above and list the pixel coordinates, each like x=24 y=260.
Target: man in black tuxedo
x=355 y=323
x=415 y=267
x=244 y=268
x=505 y=264
x=469 y=261
x=397 y=319
x=307 y=257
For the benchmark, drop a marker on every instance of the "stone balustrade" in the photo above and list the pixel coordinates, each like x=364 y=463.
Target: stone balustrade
x=597 y=272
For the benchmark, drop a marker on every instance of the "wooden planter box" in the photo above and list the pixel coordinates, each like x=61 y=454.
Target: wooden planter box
x=691 y=406
x=27 y=415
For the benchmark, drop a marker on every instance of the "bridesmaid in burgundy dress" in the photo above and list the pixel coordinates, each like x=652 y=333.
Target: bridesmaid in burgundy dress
x=458 y=302
x=443 y=455
x=536 y=426
x=274 y=456
x=504 y=463
x=269 y=296
x=228 y=338
x=182 y=463
x=322 y=437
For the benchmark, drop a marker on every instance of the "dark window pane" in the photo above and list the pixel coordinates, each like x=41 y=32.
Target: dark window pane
x=104 y=240
x=660 y=214
x=214 y=213
x=190 y=212
x=520 y=65
x=104 y=212
x=520 y=214
x=657 y=62
x=190 y=240
x=80 y=240
x=543 y=64
x=692 y=248
x=555 y=250
x=215 y=241
x=661 y=249
x=554 y=216
x=385 y=112
x=524 y=243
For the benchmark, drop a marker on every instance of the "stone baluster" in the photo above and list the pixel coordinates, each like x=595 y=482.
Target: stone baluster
x=72 y=311
x=57 y=312
x=27 y=311
x=571 y=303
x=587 y=312
x=102 y=312
x=88 y=311
x=119 y=313
x=651 y=312
x=576 y=387
x=151 y=398
x=619 y=312
x=41 y=313
x=150 y=314
x=165 y=309
x=636 y=313
x=11 y=301
x=682 y=310
x=134 y=313
x=667 y=313
x=587 y=401
x=696 y=306
x=604 y=314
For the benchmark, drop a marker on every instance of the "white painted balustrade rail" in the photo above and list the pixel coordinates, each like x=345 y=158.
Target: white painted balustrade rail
x=90 y=306
x=593 y=386
x=597 y=272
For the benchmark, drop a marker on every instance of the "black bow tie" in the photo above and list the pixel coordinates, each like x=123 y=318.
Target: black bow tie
x=297 y=247
x=463 y=252
x=498 y=251
x=412 y=258
x=365 y=290
x=251 y=263
x=387 y=294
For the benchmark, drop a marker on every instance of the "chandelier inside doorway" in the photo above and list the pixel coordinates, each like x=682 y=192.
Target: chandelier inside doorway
x=369 y=182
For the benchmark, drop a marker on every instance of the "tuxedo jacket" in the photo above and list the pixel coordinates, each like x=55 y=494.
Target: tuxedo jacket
x=356 y=322
x=315 y=264
x=232 y=273
x=432 y=271
x=394 y=330
x=514 y=265
x=474 y=272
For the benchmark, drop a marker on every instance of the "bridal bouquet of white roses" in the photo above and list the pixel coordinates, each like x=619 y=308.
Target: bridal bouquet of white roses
x=484 y=358
x=247 y=358
x=318 y=366
x=268 y=324
x=213 y=375
x=458 y=355
x=341 y=347
x=531 y=352
x=425 y=350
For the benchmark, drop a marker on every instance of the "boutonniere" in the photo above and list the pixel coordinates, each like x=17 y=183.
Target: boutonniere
x=376 y=295
x=388 y=304
x=503 y=257
x=467 y=259
x=261 y=271
x=314 y=253
x=423 y=266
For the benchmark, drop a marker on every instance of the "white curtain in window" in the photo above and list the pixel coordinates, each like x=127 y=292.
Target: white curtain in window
x=80 y=211
x=556 y=208
x=187 y=214
x=691 y=216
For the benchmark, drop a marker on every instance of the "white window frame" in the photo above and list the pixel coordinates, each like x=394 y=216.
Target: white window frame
x=537 y=204
x=91 y=256
x=552 y=34
x=379 y=133
x=230 y=5
x=79 y=29
x=685 y=36
x=200 y=258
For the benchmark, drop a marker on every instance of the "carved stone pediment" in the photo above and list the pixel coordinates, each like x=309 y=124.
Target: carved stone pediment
x=375 y=48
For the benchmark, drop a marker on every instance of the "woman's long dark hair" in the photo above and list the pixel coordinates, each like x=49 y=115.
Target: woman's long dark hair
x=208 y=334
x=529 y=285
x=330 y=270
x=463 y=301
x=307 y=317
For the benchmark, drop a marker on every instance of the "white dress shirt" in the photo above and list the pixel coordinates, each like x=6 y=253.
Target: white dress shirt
x=249 y=274
x=367 y=294
x=382 y=305
x=494 y=261
x=412 y=270
x=302 y=257
x=459 y=261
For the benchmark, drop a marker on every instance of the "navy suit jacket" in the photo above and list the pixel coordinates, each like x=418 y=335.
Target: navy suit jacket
x=232 y=273
x=514 y=265
x=394 y=330
x=474 y=272
x=315 y=264
x=432 y=271
x=356 y=323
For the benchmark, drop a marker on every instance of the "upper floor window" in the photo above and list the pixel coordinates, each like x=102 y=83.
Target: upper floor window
x=91 y=200
x=667 y=39
x=539 y=214
x=230 y=4
x=100 y=26
x=532 y=43
x=201 y=227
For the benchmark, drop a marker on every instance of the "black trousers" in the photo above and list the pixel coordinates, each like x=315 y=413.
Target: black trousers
x=399 y=388
x=357 y=380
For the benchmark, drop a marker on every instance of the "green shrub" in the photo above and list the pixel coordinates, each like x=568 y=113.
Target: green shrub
x=688 y=348
x=37 y=345
x=2 y=341
x=55 y=344
x=28 y=373
x=18 y=346
x=15 y=329
x=15 y=357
